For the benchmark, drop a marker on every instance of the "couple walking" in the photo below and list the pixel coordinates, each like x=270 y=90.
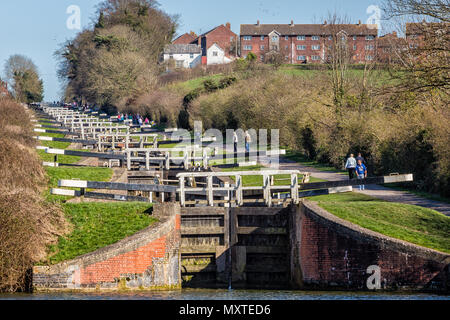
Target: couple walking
x=356 y=166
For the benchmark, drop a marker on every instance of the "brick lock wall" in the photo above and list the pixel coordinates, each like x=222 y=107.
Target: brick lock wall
x=330 y=253
x=147 y=259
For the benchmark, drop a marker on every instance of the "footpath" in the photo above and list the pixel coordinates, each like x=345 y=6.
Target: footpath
x=375 y=191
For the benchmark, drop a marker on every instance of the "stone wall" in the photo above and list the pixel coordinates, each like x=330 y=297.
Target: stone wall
x=150 y=259
x=328 y=252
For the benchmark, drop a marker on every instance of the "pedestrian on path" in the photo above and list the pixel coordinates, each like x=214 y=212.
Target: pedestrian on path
x=235 y=141
x=361 y=172
x=248 y=140
x=360 y=157
x=351 y=166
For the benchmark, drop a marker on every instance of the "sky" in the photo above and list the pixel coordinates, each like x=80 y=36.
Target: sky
x=36 y=29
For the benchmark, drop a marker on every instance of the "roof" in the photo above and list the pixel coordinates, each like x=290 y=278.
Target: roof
x=182 y=49
x=184 y=39
x=213 y=29
x=307 y=29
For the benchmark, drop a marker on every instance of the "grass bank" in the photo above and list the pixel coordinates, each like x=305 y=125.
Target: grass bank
x=93 y=224
x=414 y=224
x=96 y=225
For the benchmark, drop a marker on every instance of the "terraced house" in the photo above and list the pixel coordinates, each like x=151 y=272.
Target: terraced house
x=308 y=43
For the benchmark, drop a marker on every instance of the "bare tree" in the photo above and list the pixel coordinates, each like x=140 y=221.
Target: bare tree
x=425 y=52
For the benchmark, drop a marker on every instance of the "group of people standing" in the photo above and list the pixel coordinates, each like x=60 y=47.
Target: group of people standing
x=136 y=119
x=247 y=138
x=356 y=168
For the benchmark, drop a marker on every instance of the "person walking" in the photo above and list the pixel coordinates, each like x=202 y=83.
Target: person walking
x=235 y=141
x=248 y=141
x=351 y=166
x=361 y=172
x=360 y=157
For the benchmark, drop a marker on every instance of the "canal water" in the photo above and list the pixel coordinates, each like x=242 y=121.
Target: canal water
x=198 y=295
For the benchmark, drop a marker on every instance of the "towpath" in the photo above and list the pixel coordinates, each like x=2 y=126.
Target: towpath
x=375 y=191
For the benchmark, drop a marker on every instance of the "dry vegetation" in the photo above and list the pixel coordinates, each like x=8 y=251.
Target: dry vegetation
x=27 y=223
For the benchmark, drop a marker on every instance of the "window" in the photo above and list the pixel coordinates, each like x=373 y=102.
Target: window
x=301 y=38
x=370 y=38
x=370 y=47
x=231 y=39
x=179 y=63
x=261 y=47
x=315 y=38
x=286 y=47
x=301 y=47
x=215 y=54
x=191 y=56
x=171 y=56
x=355 y=47
x=274 y=38
x=330 y=38
x=262 y=38
x=301 y=58
x=315 y=47
x=247 y=38
x=354 y=38
x=369 y=58
x=262 y=58
x=248 y=47
x=286 y=38
x=315 y=58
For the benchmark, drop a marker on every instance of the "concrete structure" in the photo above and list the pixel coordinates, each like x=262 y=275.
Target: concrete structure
x=185 y=56
x=308 y=43
x=149 y=259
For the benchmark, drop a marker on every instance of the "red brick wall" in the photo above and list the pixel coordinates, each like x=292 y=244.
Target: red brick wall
x=359 y=54
x=222 y=36
x=330 y=257
x=133 y=258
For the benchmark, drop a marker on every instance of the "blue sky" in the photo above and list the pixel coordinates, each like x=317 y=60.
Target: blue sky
x=37 y=28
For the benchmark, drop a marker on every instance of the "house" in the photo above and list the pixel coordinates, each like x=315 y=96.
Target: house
x=216 y=55
x=187 y=38
x=387 y=46
x=221 y=37
x=308 y=43
x=183 y=55
x=3 y=88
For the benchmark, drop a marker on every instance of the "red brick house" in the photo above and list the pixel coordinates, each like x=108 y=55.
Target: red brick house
x=187 y=38
x=308 y=43
x=223 y=37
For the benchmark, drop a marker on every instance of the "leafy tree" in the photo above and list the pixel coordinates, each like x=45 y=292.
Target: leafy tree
x=24 y=76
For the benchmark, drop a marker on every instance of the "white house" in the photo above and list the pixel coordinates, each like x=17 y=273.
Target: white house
x=216 y=55
x=185 y=55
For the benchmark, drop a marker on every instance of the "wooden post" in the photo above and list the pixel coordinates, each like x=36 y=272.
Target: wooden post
x=167 y=160
x=182 y=194
x=147 y=161
x=128 y=160
x=205 y=159
x=294 y=188
x=210 y=193
x=239 y=194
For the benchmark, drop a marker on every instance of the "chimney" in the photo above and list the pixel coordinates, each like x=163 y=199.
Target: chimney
x=325 y=22
x=292 y=23
x=394 y=33
x=359 y=22
x=257 y=23
x=228 y=25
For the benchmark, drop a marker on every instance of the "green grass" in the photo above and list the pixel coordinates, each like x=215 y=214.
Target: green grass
x=423 y=194
x=414 y=224
x=257 y=180
x=96 y=225
x=69 y=173
x=187 y=86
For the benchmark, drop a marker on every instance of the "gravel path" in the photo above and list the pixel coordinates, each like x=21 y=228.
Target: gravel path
x=375 y=191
